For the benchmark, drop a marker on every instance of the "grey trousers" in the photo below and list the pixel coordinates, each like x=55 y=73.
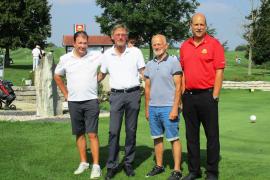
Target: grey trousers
x=120 y=104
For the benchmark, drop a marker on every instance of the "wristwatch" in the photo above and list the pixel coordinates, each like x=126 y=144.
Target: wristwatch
x=216 y=98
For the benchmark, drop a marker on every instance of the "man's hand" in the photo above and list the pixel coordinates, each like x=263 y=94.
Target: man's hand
x=173 y=114
x=66 y=97
x=147 y=114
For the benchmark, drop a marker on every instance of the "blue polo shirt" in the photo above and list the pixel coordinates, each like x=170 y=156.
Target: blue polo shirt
x=160 y=73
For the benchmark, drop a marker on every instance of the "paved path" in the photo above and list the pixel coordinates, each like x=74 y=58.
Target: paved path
x=27 y=112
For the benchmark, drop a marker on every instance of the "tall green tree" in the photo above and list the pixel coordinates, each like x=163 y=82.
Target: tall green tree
x=258 y=33
x=144 y=18
x=261 y=51
x=23 y=23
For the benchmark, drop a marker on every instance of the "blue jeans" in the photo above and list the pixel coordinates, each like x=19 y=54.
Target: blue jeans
x=159 y=123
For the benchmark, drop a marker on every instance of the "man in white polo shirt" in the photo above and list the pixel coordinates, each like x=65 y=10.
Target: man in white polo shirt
x=124 y=65
x=36 y=52
x=80 y=68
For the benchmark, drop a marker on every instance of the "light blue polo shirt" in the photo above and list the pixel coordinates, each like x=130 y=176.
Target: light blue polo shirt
x=162 y=88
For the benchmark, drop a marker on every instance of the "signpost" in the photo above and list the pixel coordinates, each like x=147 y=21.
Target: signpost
x=79 y=27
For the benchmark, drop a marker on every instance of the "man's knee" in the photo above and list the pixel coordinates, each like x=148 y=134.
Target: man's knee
x=92 y=136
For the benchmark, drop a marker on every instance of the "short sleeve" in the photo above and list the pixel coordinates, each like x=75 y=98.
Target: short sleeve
x=140 y=62
x=176 y=67
x=60 y=68
x=104 y=67
x=219 y=57
x=146 y=71
x=97 y=56
x=181 y=58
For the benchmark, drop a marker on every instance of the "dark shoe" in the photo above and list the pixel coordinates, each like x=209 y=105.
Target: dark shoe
x=192 y=176
x=156 y=170
x=129 y=170
x=175 y=175
x=110 y=173
x=211 y=176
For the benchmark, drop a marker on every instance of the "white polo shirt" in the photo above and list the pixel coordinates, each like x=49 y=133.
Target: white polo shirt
x=36 y=52
x=123 y=69
x=81 y=75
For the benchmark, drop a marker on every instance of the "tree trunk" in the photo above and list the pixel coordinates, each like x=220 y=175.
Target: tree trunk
x=7 y=58
x=249 y=60
x=150 y=51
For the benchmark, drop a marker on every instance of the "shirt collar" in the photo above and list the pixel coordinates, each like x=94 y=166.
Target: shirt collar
x=164 y=59
x=205 y=40
x=73 y=55
x=127 y=50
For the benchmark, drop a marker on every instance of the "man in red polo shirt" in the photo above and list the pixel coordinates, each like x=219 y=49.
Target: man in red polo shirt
x=203 y=62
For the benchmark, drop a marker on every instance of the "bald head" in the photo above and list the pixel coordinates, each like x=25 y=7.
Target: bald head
x=198 y=26
x=198 y=16
x=159 y=45
x=161 y=37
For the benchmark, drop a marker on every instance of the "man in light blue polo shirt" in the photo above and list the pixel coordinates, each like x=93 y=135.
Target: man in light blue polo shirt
x=162 y=98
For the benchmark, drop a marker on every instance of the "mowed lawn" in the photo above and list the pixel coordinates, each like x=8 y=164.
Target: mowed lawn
x=46 y=150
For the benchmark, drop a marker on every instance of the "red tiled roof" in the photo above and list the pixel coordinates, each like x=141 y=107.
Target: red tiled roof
x=92 y=40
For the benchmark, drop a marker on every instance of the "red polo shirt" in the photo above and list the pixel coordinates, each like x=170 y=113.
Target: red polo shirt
x=200 y=63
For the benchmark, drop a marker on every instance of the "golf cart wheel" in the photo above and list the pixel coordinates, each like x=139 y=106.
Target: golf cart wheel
x=12 y=107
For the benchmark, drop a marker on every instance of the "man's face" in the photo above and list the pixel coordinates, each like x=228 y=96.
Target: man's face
x=120 y=37
x=198 y=26
x=159 y=46
x=80 y=45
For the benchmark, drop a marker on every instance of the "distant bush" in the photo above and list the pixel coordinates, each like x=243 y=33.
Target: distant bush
x=51 y=45
x=241 y=48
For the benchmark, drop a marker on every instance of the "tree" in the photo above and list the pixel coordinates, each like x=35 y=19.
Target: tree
x=258 y=34
x=261 y=34
x=144 y=18
x=225 y=45
x=241 y=47
x=23 y=23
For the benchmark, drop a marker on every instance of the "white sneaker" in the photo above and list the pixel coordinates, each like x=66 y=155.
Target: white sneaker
x=96 y=172
x=82 y=167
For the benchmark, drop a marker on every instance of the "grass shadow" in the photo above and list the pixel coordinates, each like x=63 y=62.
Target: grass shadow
x=142 y=154
x=168 y=158
x=103 y=155
x=24 y=67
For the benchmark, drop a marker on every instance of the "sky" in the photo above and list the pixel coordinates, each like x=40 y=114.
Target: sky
x=226 y=16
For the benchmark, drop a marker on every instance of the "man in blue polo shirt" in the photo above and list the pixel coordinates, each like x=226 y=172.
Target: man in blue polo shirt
x=162 y=98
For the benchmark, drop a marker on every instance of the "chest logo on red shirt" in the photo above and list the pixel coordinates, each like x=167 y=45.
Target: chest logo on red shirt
x=204 y=51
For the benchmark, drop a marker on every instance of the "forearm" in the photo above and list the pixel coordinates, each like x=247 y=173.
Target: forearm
x=177 y=95
x=60 y=83
x=218 y=82
x=183 y=84
x=147 y=94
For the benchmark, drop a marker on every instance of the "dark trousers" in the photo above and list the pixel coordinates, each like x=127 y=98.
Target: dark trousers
x=200 y=107
x=120 y=104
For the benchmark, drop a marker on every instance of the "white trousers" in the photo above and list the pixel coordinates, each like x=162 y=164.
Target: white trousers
x=35 y=62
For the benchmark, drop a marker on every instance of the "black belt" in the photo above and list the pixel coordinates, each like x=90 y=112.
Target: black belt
x=128 y=90
x=198 y=91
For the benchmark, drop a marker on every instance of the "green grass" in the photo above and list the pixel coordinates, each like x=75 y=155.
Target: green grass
x=46 y=150
x=20 y=70
x=236 y=72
